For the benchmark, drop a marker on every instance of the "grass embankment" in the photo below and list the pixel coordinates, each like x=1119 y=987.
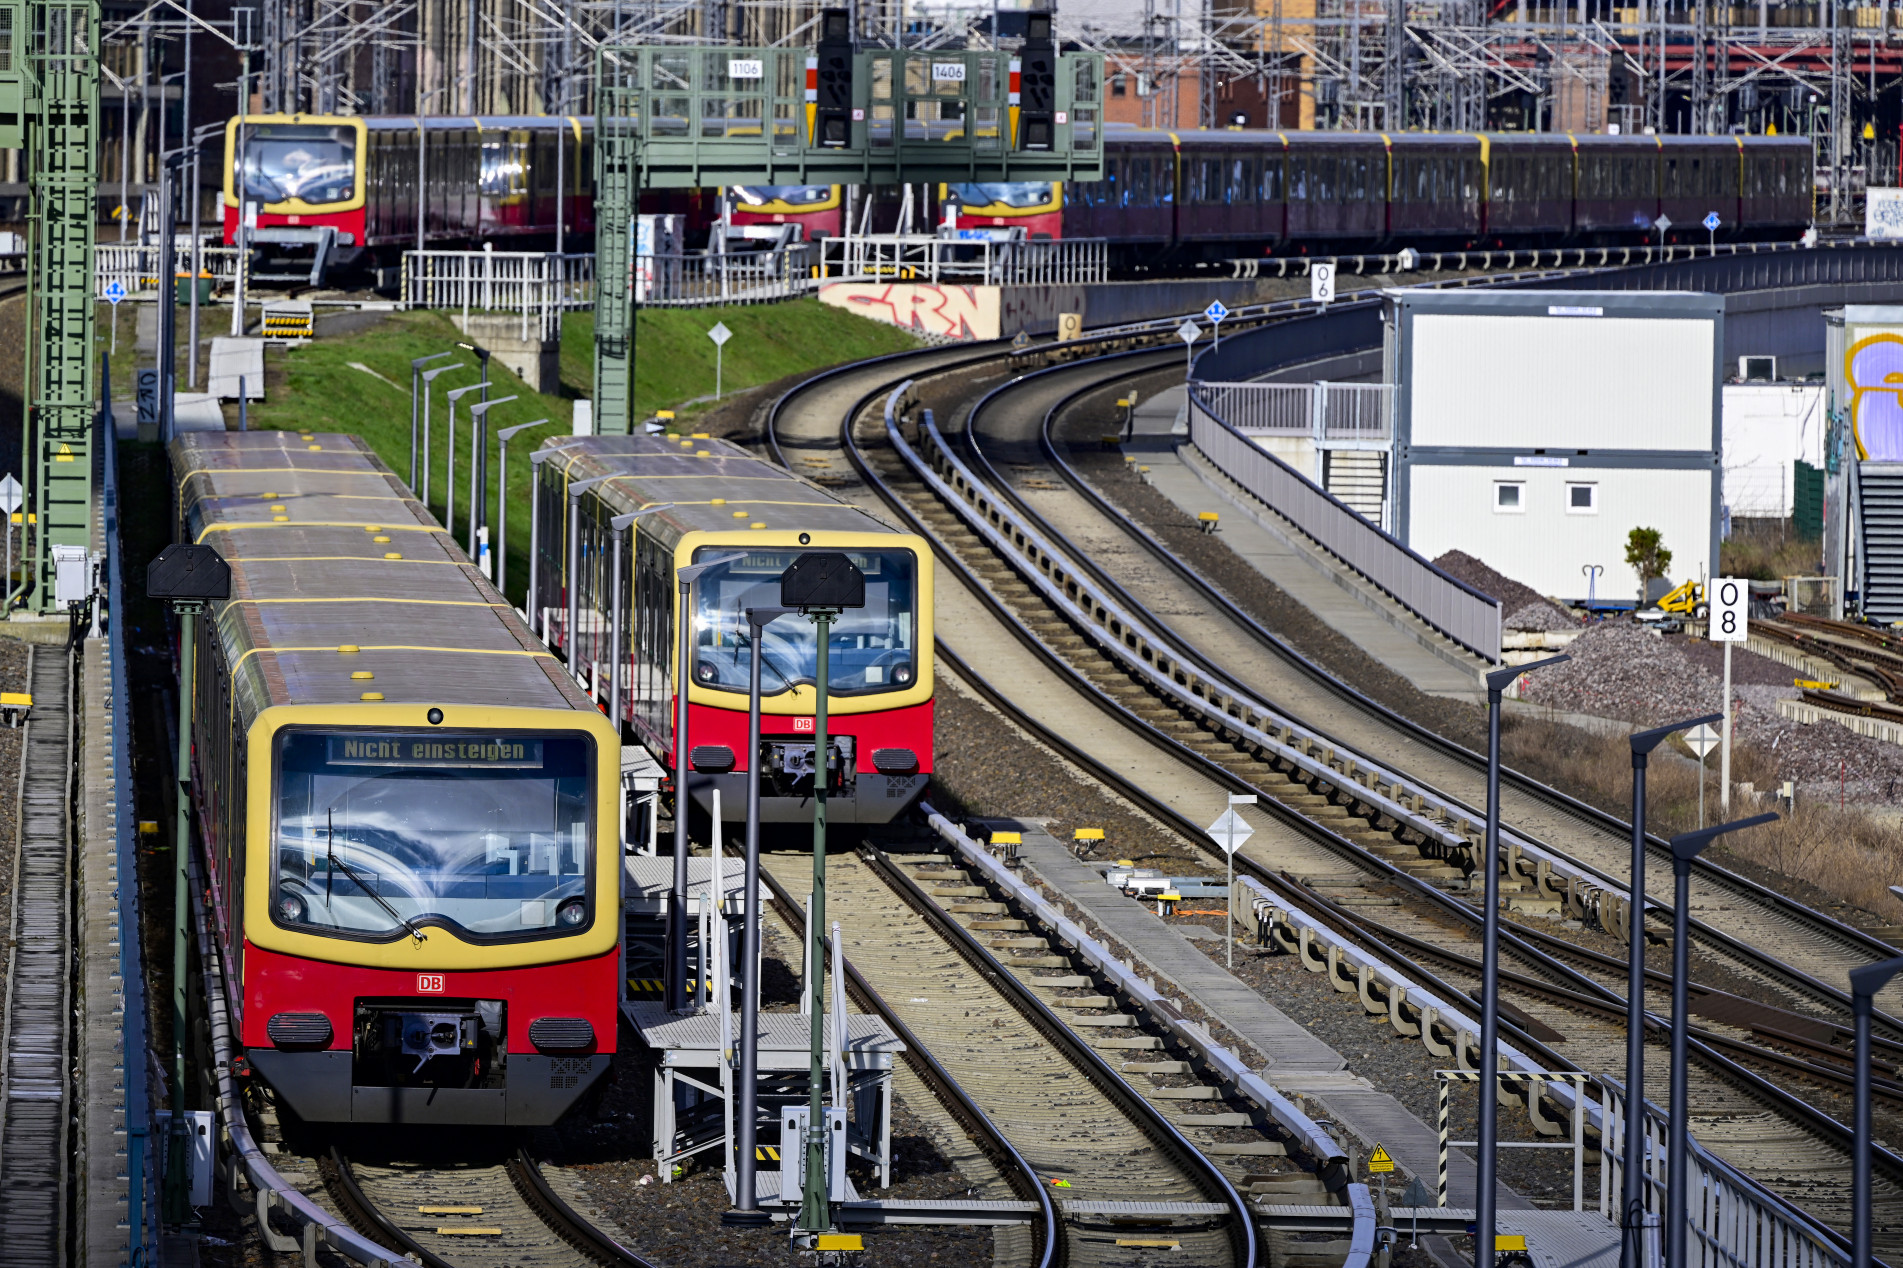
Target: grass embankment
x=359 y=382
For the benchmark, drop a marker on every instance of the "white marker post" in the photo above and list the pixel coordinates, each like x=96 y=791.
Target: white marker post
x=1230 y=832
x=719 y=334
x=9 y=503
x=1730 y=601
x=1701 y=740
x=1188 y=332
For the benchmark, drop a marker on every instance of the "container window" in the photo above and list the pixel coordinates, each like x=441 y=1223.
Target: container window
x=1582 y=499
x=1509 y=497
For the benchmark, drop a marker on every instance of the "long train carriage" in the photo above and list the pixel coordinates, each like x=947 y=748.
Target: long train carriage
x=724 y=501
x=490 y=178
x=408 y=811
x=1220 y=194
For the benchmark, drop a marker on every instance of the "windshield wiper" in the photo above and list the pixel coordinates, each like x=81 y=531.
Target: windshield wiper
x=330 y=856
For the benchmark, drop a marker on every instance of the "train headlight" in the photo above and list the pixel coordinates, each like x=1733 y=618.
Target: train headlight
x=571 y=913
x=902 y=674
x=291 y=909
x=705 y=673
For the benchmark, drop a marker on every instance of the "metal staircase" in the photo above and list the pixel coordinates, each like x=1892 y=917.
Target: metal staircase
x=1359 y=477
x=1880 y=525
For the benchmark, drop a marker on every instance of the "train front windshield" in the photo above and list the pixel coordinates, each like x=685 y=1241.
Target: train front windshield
x=869 y=649
x=756 y=197
x=382 y=834
x=311 y=162
x=1017 y=195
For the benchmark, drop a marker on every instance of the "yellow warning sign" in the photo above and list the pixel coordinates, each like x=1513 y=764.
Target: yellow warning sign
x=65 y=454
x=1379 y=1161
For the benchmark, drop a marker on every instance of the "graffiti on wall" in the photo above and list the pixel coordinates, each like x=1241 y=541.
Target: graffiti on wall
x=952 y=312
x=1873 y=370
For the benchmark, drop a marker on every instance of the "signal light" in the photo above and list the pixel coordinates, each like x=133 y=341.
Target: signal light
x=1037 y=84
x=829 y=81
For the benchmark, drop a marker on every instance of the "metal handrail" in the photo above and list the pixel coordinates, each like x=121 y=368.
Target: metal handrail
x=1443 y=601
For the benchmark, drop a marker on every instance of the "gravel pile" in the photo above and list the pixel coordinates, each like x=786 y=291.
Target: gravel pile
x=1524 y=602
x=1619 y=670
x=1540 y=616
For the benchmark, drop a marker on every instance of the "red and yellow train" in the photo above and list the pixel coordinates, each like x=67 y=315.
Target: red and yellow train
x=408 y=813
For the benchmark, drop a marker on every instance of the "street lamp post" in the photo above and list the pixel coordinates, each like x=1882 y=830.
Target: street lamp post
x=484 y=354
x=1484 y=1200
x=503 y=436
x=479 y=469
x=820 y=584
x=531 y=603
x=1864 y=985
x=676 y=984
x=1632 y=1196
x=746 y=1210
x=616 y=648
x=429 y=377
x=416 y=379
x=1686 y=847
x=449 y=473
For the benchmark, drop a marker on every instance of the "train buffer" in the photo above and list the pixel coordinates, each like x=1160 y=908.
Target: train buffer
x=1144 y=882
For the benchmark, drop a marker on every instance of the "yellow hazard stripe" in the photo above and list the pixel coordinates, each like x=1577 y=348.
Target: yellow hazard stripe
x=367 y=598
x=389 y=647
x=391 y=528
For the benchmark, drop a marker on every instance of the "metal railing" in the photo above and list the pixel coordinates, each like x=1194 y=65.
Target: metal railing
x=538 y=287
x=1732 y=1220
x=890 y=257
x=1327 y=413
x=734 y=277
x=1459 y=611
x=136 y=267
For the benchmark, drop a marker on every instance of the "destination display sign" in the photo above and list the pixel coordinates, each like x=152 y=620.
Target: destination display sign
x=434 y=751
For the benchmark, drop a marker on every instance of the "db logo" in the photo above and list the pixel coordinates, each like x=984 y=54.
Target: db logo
x=803 y=724
x=429 y=983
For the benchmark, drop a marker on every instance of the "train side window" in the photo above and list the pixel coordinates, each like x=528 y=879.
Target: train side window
x=1327 y=183
x=1140 y=192
x=1298 y=178
x=1272 y=180
x=1211 y=181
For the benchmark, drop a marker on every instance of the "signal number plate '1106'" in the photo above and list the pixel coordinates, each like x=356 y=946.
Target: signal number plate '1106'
x=429 y=983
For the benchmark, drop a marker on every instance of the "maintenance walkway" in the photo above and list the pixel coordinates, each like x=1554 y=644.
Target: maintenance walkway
x=1343 y=600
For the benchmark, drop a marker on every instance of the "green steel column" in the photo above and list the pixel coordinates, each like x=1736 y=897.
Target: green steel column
x=617 y=171
x=62 y=150
x=815 y=1214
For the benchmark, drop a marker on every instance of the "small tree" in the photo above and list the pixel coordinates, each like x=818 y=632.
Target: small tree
x=1645 y=551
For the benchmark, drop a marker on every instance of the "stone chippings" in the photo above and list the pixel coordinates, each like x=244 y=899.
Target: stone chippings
x=1528 y=608
x=1621 y=670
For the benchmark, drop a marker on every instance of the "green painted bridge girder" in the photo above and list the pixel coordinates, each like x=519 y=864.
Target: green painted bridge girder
x=675 y=117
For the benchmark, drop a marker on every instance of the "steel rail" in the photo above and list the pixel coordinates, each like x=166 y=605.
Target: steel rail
x=1716 y=940
x=1163 y=1134
x=1017 y=1172
x=1822 y=1124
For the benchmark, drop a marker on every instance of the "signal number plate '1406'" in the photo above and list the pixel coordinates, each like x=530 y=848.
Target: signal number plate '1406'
x=429 y=983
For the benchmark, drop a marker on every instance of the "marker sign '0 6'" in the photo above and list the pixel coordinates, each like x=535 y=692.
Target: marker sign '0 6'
x=1730 y=610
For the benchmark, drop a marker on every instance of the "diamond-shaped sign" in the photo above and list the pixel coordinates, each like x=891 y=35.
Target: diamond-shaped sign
x=1230 y=831
x=720 y=334
x=1711 y=221
x=1215 y=311
x=1663 y=223
x=115 y=292
x=9 y=495
x=1188 y=331
x=1701 y=739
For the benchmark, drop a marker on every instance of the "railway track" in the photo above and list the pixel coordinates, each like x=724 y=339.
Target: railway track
x=35 y=1082
x=1780 y=1136
x=1134 y=1187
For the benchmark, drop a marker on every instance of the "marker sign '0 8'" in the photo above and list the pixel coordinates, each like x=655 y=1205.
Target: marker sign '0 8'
x=1730 y=610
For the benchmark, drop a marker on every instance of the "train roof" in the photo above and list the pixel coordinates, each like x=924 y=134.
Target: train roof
x=443 y=122
x=1126 y=134
x=714 y=485
x=298 y=518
